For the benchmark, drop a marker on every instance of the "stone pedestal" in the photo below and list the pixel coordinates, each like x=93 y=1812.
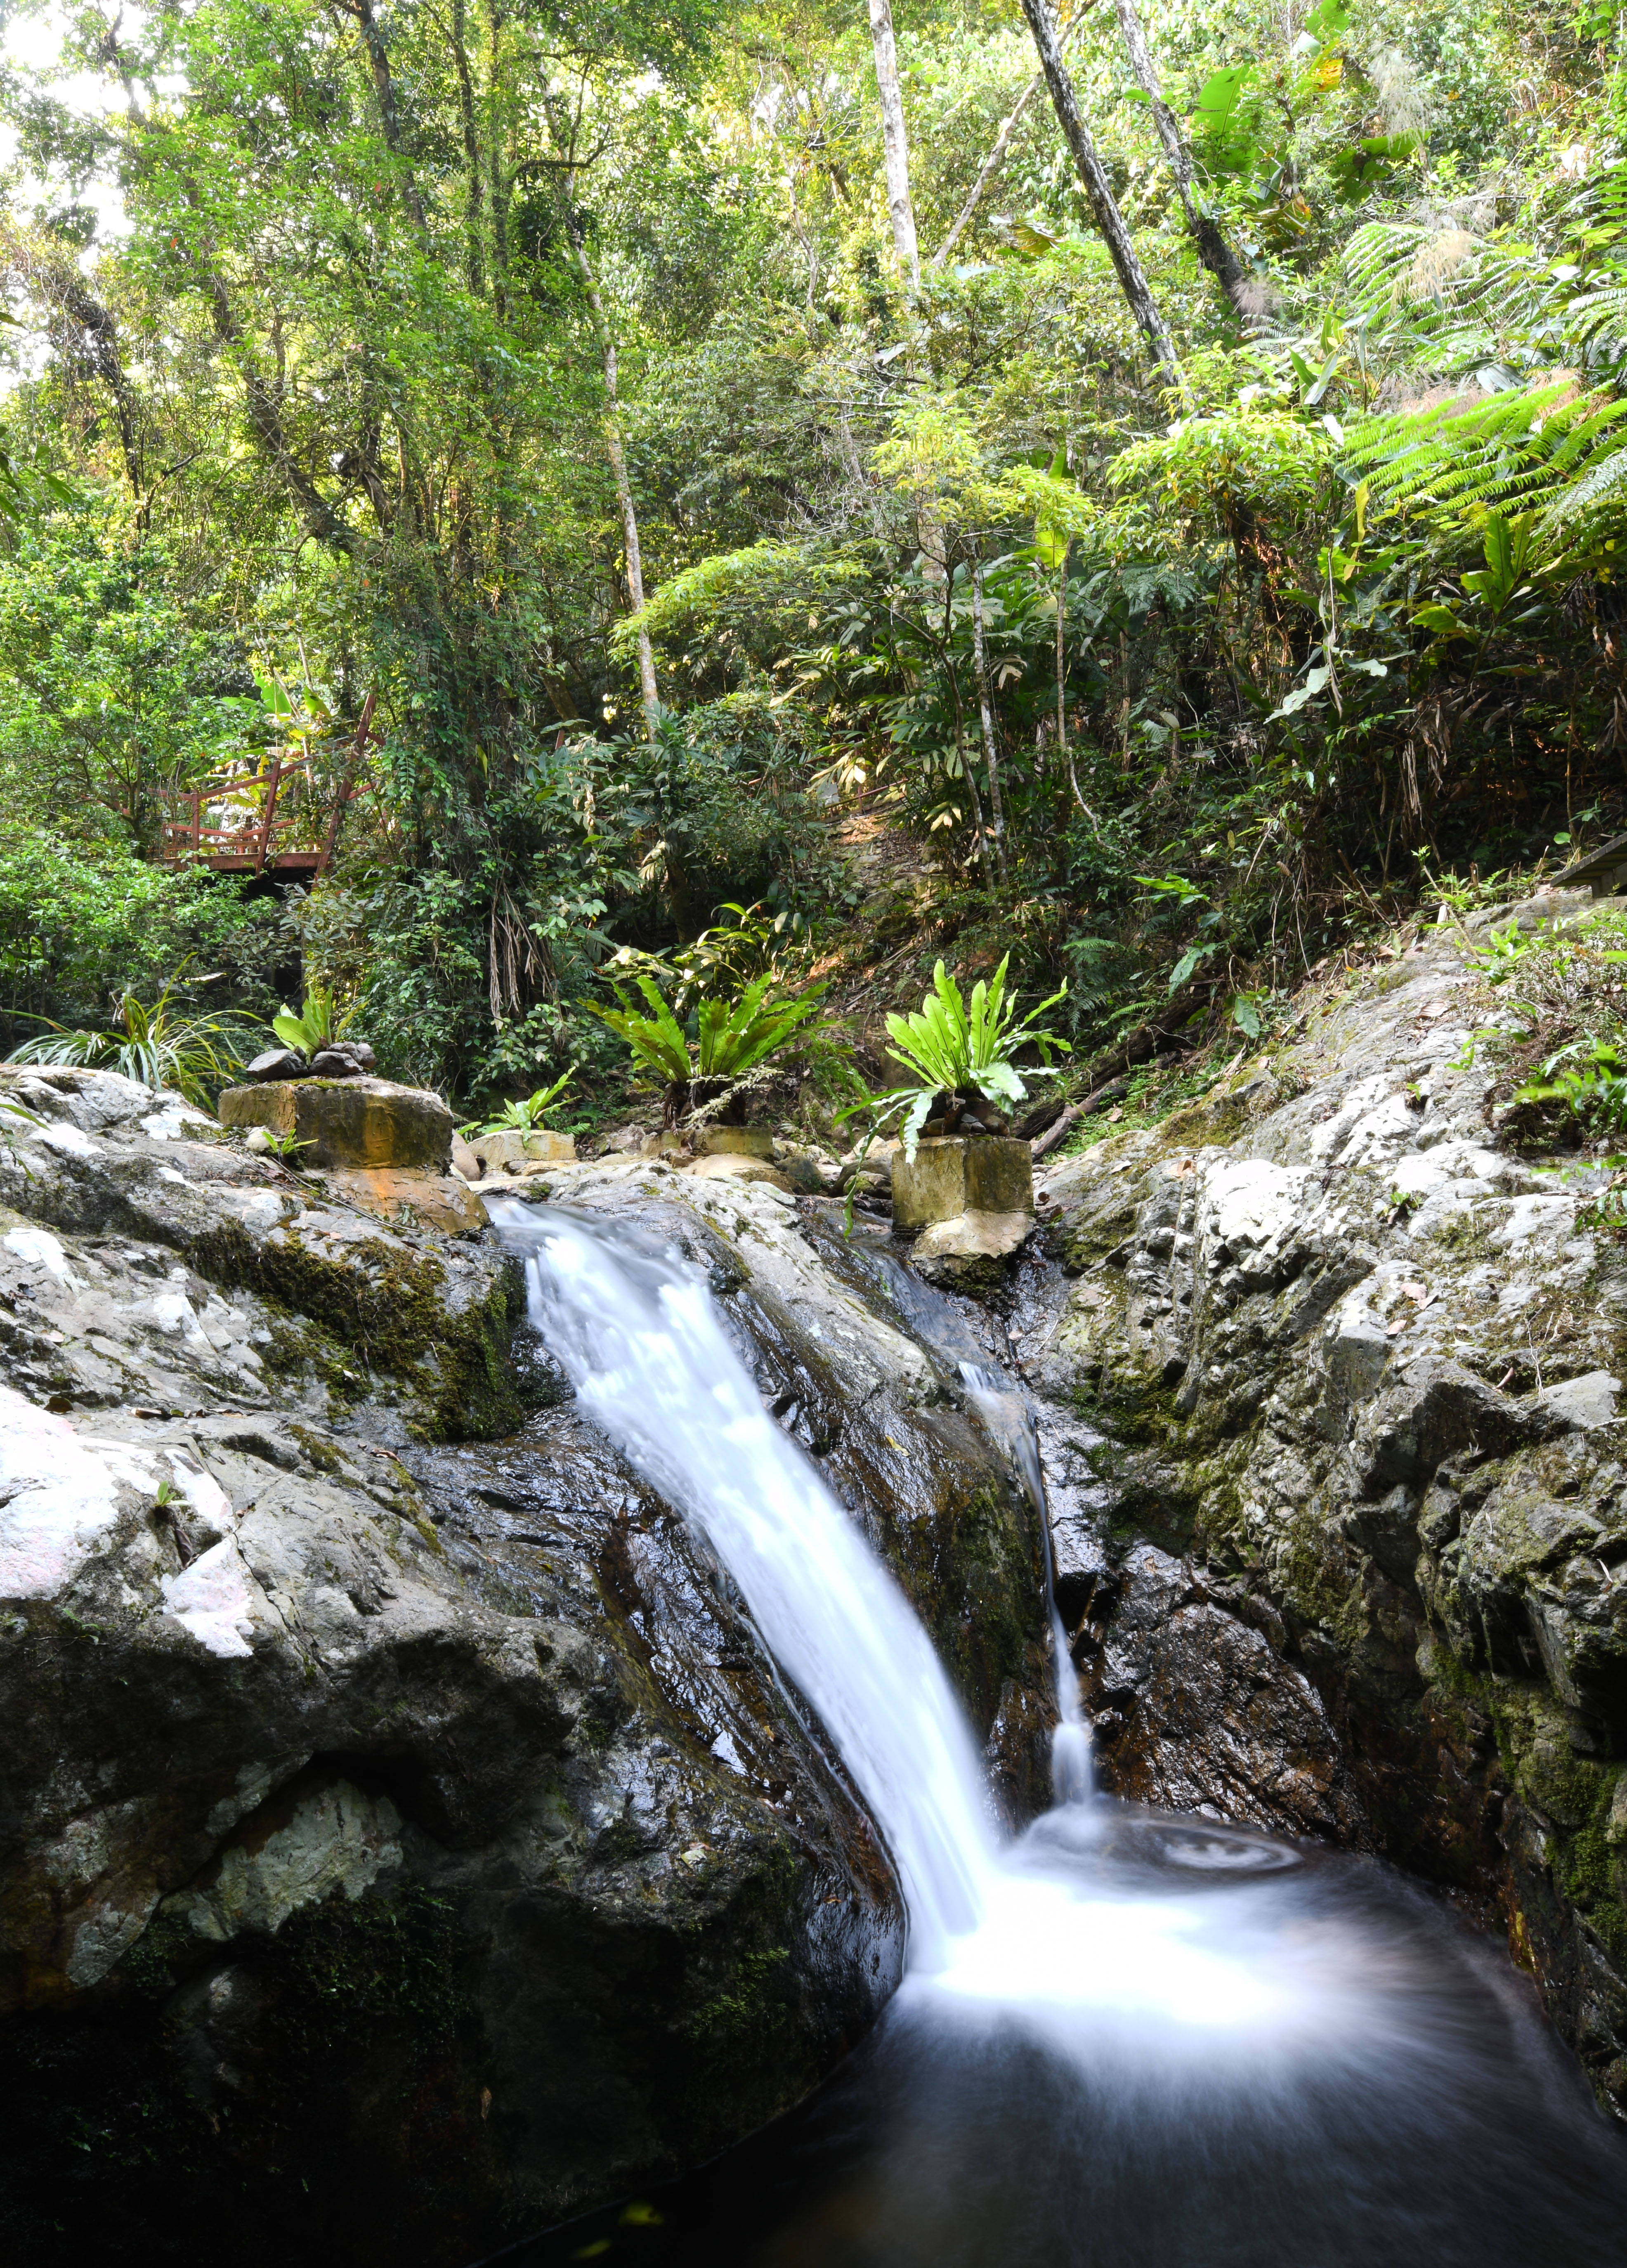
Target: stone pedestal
x=956 y=1173
x=511 y=1151
x=738 y=1142
x=968 y=1199
x=349 y=1123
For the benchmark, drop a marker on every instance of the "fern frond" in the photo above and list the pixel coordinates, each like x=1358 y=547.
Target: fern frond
x=1539 y=448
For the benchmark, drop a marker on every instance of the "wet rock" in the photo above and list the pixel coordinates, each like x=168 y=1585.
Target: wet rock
x=1356 y=1368
x=420 y=1812
x=1195 y=1711
x=966 y=1250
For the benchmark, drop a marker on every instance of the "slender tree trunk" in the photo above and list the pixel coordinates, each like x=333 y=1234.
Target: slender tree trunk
x=893 y=143
x=1062 y=748
x=970 y=777
x=967 y=773
x=613 y=449
x=472 y=194
x=989 y=167
x=980 y=661
x=1108 y=219
x=1212 y=248
x=500 y=183
x=384 y=88
x=1062 y=673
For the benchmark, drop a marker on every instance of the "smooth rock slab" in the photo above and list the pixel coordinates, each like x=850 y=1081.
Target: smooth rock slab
x=409 y=1199
x=733 y=1166
x=350 y=1122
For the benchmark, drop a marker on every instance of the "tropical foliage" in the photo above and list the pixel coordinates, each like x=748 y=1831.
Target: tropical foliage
x=194 y=1056
x=533 y=423
x=320 y=1020
x=732 y=1038
x=525 y=1114
x=958 y=1051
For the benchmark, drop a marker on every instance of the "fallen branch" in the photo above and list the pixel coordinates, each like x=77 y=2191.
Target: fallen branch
x=1058 y=1127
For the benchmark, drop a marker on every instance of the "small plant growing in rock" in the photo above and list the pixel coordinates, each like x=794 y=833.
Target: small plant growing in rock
x=1589 y=1077
x=521 y=1117
x=318 y=1023
x=154 y=1046
x=285 y=1146
x=962 y=1053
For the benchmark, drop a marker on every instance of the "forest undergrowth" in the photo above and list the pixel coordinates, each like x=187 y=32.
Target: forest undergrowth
x=702 y=489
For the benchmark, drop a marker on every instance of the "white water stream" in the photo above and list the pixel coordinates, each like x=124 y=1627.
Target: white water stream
x=641 y=1343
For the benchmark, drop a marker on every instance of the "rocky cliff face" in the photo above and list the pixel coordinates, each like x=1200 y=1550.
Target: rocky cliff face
x=402 y=1838
x=1333 y=1381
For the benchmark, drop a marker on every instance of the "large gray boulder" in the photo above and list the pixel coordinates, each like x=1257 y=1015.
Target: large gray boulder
x=1353 y=1368
x=401 y=1833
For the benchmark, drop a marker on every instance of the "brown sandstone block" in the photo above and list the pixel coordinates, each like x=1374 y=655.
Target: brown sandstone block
x=348 y=1122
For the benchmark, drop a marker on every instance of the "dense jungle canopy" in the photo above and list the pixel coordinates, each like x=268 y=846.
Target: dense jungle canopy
x=1161 y=476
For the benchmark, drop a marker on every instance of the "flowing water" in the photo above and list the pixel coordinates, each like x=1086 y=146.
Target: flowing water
x=1125 y=2041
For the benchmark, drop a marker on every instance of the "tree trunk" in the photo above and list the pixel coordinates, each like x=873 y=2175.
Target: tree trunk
x=980 y=662
x=501 y=183
x=473 y=221
x=384 y=89
x=967 y=773
x=1212 y=248
x=893 y=142
x=995 y=157
x=614 y=451
x=1108 y=219
x=989 y=167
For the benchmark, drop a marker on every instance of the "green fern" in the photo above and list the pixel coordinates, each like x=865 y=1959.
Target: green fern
x=1544 y=449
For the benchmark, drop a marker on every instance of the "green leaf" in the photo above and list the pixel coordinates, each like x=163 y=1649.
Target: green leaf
x=1187 y=963
x=1216 y=98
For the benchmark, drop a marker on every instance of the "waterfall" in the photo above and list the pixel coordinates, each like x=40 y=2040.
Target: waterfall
x=1006 y=1414
x=642 y=1345
x=1126 y=2036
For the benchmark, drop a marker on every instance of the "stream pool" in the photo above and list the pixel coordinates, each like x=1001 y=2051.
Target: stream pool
x=1275 y=2057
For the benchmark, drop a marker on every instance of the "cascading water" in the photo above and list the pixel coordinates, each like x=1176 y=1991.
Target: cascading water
x=1127 y=2041
x=642 y=1345
x=1006 y=1413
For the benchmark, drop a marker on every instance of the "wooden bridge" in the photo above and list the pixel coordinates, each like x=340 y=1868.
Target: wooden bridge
x=276 y=816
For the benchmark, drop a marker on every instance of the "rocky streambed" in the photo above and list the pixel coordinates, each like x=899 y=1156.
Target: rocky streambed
x=404 y=1840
